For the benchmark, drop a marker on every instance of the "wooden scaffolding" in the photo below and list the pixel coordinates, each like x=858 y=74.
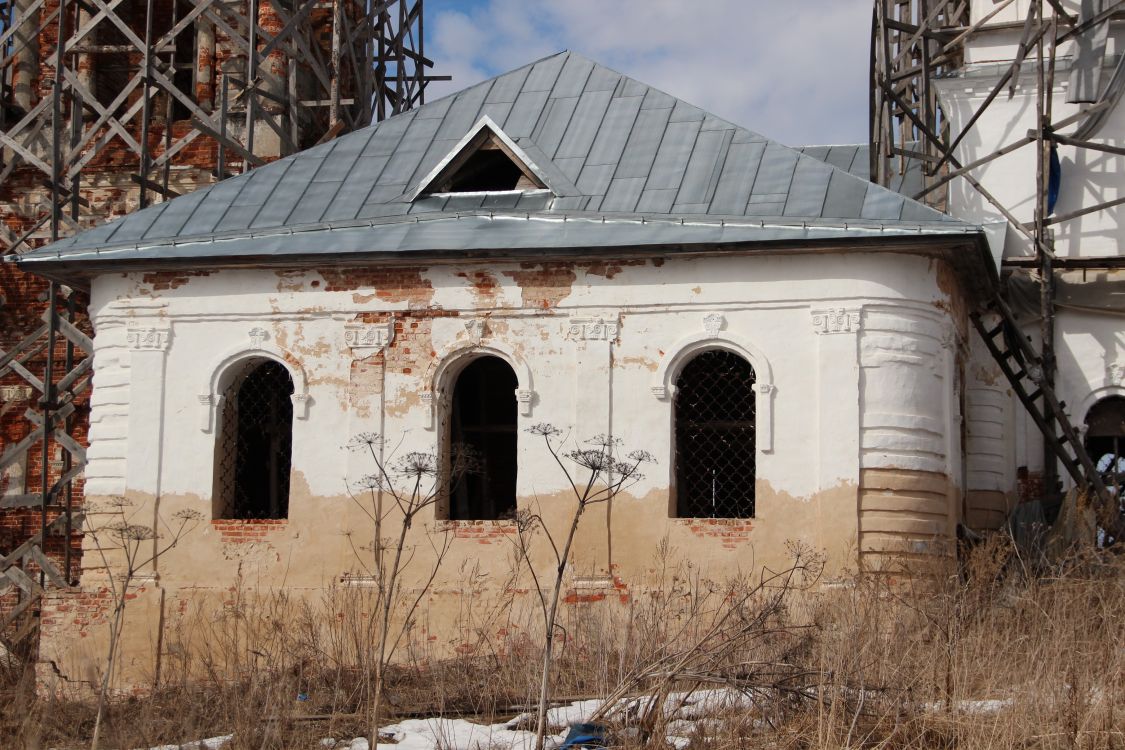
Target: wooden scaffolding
x=917 y=43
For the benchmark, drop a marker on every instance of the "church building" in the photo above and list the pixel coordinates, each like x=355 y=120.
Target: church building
x=559 y=245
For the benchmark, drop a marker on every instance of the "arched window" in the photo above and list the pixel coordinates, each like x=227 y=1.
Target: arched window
x=715 y=446
x=1105 y=440
x=255 y=443
x=482 y=419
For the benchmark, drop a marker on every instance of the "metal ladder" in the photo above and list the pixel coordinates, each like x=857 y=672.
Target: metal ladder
x=1023 y=367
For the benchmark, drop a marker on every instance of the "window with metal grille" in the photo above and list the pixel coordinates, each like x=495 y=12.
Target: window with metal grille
x=715 y=451
x=256 y=443
x=482 y=420
x=1105 y=440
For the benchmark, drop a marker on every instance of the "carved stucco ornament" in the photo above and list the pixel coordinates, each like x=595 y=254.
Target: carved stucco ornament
x=477 y=328
x=258 y=337
x=836 y=320
x=714 y=323
x=10 y=393
x=1115 y=373
x=591 y=329
x=366 y=339
x=148 y=338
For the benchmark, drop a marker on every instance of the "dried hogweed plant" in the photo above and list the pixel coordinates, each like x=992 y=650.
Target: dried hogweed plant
x=139 y=547
x=397 y=492
x=595 y=471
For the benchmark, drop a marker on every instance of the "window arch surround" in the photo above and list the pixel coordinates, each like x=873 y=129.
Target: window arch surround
x=223 y=371
x=480 y=410
x=441 y=375
x=664 y=379
x=714 y=445
x=1105 y=439
x=253 y=452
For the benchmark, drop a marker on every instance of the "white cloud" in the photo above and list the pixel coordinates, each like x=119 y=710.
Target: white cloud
x=795 y=71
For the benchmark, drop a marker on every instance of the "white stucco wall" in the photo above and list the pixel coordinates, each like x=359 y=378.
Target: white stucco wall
x=855 y=359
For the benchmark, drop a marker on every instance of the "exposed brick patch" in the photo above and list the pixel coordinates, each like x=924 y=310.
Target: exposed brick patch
x=81 y=610
x=606 y=589
x=544 y=285
x=731 y=532
x=485 y=532
x=1029 y=485
x=247 y=530
x=611 y=268
x=164 y=280
x=584 y=596
x=412 y=351
x=484 y=283
x=403 y=284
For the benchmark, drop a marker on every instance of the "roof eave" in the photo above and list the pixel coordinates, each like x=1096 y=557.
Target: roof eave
x=967 y=250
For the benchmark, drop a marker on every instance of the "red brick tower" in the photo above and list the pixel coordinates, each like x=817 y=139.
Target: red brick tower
x=145 y=100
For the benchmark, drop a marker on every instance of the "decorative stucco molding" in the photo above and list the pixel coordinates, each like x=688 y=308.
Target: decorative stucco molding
x=663 y=383
x=220 y=373
x=10 y=393
x=836 y=320
x=477 y=329
x=1115 y=373
x=209 y=404
x=258 y=337
x=148 y=338
x=591 y=329
x=365 y=339
x=440 y=375
x=714 y=323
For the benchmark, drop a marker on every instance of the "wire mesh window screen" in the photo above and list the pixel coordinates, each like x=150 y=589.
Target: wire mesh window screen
x=715 y=445
x=483 y=421
x=257 y=443
x=1105 y=442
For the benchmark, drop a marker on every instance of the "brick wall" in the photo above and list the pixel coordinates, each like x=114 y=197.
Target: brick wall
x=16 y=526
x=21 y=310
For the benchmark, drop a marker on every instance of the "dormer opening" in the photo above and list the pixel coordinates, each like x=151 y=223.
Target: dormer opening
x=489 y=168
x=486 y=160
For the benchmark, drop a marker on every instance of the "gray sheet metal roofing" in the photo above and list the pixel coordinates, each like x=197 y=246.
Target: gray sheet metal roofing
x=630 y=165
x=855 y=159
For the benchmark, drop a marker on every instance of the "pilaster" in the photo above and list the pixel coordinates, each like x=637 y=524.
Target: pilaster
x=148 y=347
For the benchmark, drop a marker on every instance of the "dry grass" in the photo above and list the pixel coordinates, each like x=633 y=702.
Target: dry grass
x=898 y=662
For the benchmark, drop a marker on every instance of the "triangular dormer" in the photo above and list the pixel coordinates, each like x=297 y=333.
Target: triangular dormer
x=486 y=160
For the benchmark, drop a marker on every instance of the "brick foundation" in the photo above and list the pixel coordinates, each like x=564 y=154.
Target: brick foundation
x=485 y=532
x=246 y=531
x=730 y=532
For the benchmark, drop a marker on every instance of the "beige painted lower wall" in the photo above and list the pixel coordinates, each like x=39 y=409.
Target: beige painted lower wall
x=625 y=554
x=987 y=510
x=904 y=513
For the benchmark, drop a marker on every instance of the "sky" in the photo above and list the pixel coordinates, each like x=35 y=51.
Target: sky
x=792 y=70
